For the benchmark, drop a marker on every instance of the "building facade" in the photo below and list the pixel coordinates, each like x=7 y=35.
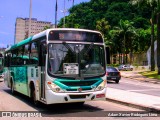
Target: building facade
x=22 y=28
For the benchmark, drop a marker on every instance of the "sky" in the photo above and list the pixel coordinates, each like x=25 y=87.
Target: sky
x=43 y=10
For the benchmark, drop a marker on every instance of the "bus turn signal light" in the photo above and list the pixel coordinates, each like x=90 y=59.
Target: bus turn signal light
x=100 y=95
x=49 y=83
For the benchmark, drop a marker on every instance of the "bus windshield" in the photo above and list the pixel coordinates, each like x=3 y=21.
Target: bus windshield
x=76 y=60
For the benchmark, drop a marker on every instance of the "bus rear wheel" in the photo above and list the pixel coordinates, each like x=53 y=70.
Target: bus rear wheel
x=12 y=88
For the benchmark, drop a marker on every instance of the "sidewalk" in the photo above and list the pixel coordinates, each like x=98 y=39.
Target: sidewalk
x=138 y=100
x=136 y=76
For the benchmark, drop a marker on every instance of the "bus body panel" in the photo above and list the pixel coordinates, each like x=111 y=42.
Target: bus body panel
x=19 y=78
x=22 y=77
x=33 y=77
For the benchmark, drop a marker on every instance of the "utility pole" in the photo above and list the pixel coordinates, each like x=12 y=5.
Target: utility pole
x=73 y=3
x=30 y=18
x=64 y=11
x=56 y=7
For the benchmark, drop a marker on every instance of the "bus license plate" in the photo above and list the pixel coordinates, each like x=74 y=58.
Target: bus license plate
x=70 y=68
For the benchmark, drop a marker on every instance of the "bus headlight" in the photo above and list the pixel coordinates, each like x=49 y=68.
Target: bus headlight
x=102 y=85
x=54 y=87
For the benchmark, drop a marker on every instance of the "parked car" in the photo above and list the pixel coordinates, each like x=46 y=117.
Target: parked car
x=125 y=67
x=113 y=74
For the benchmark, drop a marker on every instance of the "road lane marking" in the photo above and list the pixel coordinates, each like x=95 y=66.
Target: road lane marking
x=140 y=83
x=142 y=90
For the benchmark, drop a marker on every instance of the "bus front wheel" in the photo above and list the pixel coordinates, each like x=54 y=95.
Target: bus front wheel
x=33 y=96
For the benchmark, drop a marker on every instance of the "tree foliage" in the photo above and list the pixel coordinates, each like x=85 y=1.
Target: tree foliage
x=106 y=15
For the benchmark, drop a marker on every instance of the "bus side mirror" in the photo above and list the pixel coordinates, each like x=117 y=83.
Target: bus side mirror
x=107 y=55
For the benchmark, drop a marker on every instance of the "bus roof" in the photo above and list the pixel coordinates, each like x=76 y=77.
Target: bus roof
x=43 y=33
x=23 y=42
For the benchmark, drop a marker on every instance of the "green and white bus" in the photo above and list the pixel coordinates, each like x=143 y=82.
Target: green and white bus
x=60 y=65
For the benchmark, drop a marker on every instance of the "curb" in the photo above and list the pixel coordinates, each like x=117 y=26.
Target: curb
x=150 y=109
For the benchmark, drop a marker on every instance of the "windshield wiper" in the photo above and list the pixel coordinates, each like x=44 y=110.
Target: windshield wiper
x=90 y=47
x=68 y=47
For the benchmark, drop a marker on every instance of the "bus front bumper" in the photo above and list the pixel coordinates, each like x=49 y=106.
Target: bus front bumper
x=53 y=97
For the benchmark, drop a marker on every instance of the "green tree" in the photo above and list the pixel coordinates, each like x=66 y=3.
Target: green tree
x=46 y=27
x=143 y=42
x=155 y=7
x=116 y=38
x=125 y=30
x=103 y=26
x=86 y=15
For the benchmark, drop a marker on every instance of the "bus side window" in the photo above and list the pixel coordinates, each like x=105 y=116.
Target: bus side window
x=34 y=53
x=26 y=54
x=42 y=52
x=6 y=61
x=20 y=57
x=14 y=57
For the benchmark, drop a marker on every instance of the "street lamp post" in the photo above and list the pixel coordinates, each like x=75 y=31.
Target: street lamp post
x=56 y=7
x=64 y=11
x=30 y=16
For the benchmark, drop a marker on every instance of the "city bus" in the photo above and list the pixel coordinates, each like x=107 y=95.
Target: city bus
x=1 y=65
x=60 y=65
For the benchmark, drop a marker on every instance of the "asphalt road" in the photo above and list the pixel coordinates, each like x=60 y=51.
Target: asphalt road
x=136 y=86
x=90 y=110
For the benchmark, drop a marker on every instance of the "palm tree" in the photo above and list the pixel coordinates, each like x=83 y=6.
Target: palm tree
x=116 y=39
x=103 y=26
x=155 y=7
x=125 y=29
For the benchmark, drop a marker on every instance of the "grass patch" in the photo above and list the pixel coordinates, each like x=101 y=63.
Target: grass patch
x=151 y=74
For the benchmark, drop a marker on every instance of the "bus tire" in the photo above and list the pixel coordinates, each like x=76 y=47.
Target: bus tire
x=33 y=96
x=12 y=87
x=117 y=81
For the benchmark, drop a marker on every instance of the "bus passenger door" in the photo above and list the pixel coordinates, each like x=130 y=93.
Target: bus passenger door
x=42 y=68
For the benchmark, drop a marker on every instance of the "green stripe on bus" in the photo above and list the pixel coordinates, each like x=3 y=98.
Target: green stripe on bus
x=63 y=86
x=23 y=42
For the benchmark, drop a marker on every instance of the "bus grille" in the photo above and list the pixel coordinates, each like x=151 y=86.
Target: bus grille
x=79 y=83
x=76 y=89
